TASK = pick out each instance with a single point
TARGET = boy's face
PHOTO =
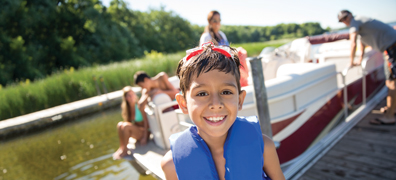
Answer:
(212, 102)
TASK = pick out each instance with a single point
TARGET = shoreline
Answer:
(35, 120)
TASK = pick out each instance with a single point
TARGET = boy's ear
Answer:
(182, 103)
(242, 96)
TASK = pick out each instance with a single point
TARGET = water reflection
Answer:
(81, 149)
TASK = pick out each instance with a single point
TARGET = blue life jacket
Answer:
(243, 152)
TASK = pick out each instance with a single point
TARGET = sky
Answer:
(270, 12)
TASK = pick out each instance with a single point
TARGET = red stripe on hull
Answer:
(301, 139)
(373, 80)
(278, 126)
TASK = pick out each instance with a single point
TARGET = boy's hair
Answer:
(139, 76)
(206, 61)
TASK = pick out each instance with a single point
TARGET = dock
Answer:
(365, 152)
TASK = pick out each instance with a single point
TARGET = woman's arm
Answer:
(205, 37)
(271, 162)
(141, 105)
(168, 166)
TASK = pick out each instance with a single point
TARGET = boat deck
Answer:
(365, 152)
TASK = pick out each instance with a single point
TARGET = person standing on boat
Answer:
(220, 145)
(213, 34)
(380, 37)
(133, 124)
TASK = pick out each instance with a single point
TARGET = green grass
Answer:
(71, 85)
(254, 49)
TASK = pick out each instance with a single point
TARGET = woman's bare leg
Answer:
(126, 130)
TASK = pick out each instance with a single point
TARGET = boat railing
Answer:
(344, 74)
(307, 159)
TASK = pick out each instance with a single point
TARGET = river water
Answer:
(80, 149)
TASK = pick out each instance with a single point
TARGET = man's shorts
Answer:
(390, 70)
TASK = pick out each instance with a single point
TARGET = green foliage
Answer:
(244, 34)
(40, 37)
(70, 85)
(254, 49)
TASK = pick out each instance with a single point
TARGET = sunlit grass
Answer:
(71, 85)
(254, 49)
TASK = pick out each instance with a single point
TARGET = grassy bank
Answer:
(254, 49)
(71, 85)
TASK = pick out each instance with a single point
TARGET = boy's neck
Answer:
(216, 145)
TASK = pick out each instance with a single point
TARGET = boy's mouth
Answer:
(215, 120)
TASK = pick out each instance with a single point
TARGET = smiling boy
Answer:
(220, 145)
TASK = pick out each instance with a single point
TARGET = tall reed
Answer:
(71, 85)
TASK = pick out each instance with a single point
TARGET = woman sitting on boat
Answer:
(212, 31)
(133, 124)
(213, 34)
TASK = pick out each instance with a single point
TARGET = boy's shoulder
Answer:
(250, 119)
(253, 120)
(182, 135)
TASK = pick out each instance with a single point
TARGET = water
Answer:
(81, 149)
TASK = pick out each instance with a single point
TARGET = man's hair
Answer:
(139, 76)
(206, 61)
(343, 14)
(346, 11)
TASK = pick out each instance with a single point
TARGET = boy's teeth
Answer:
(215, 119)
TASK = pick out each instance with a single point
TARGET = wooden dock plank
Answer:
(371, 150)
(371, 140)
(340, 172)
(362, 158)
(328, 170)
(365, 152)
(378, 172)
(357, 131)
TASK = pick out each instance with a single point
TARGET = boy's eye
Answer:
(202, 94)
(226, 92)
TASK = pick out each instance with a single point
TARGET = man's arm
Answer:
(362, 47)
(170, 91)
(352, 37)
(271, 162)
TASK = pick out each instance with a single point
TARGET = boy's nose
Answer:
(216, 103)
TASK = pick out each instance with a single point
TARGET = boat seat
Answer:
(163, 122)
(296, 86)
(174, 80)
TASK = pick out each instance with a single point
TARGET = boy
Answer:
(221, 145)
(150, 88)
